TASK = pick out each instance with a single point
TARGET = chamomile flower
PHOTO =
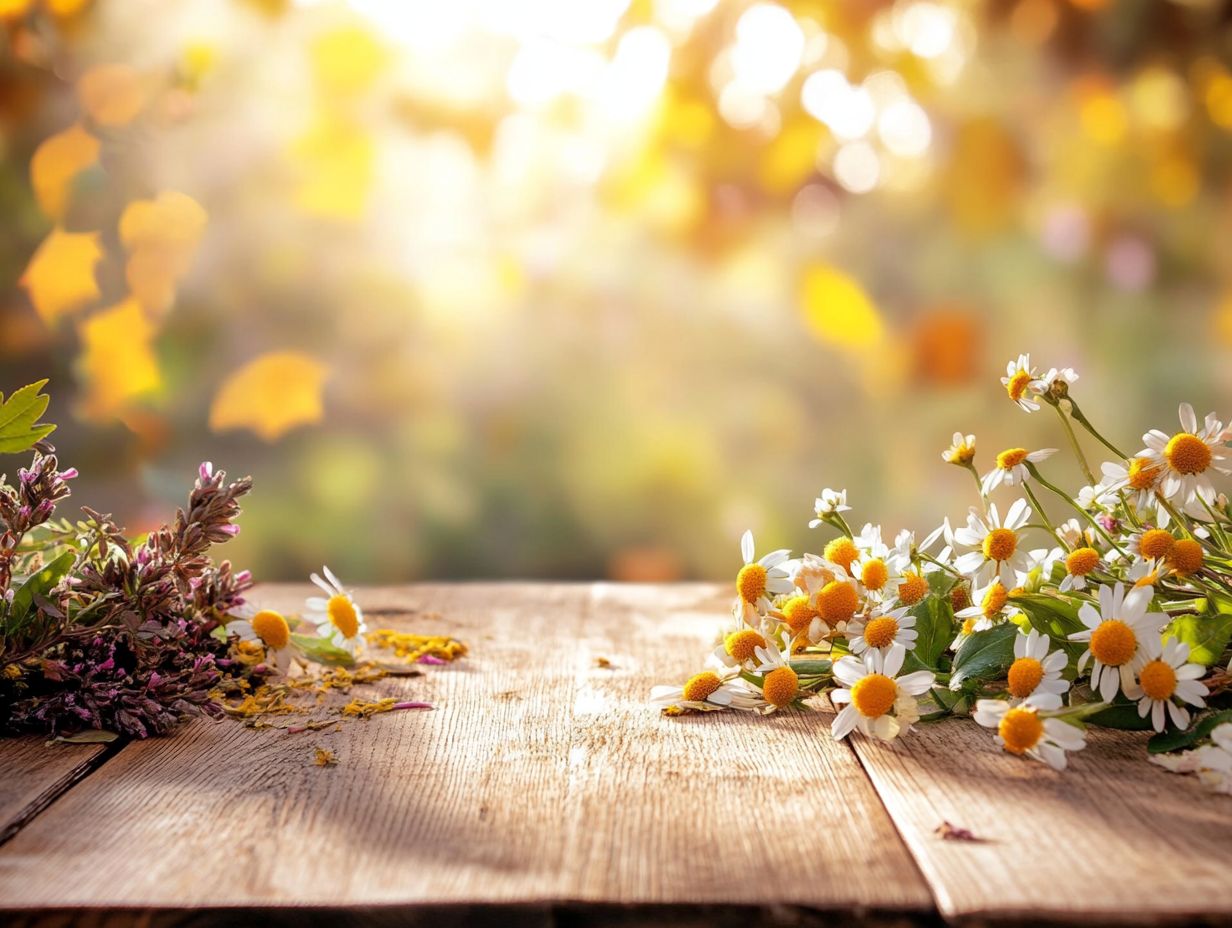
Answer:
(738, 642)
(943, 532)
(1188, 457)
(996, 543)
(1056, 382)
(874, 698)
(1041, 560)
(1075, 534)
(1036, 672)
(895, 628)
(1022, 730)
(1011, 467)
(1152, 544)
(990, 607)
(757, 578)
(829, 503)
(1079, 564)
(706, 692)
(337, 615)
(1139, 477)
(876, 573)
(1121, 636)
(270, 630)
(1096, 496)
(1164, 680)
(961, 450)
(780, 685)
(1018, 380)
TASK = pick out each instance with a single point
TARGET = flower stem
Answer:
(1082, 512)
(1082, 420)
(1073, 441)
(1039, 508)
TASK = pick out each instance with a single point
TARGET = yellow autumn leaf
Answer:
(117, 362)
(112, 94)
(271, 395)
(60, 275)
(171, 217)
(347, 60)
(334, 165)
(56, 164)
(837, 310)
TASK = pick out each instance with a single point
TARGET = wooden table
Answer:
(544, 790)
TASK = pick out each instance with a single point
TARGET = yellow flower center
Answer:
(742, 644)
(1187, 454)
(1158, 680)
(874, 573)
(912, 589)
(1020, 729)
(1018, 385)
(1186, 556)
(751, 582)
(962, 453)
(1081, 561)
(798, 612)
(1156, 542)
(837, 602)
(1113, 643)
(779, 686)
(272, 629)
(880, 632)
(1143, 472)
(960, 597)
(342, 615)
(701, 686)
(841, 551)
(1000, 544)
(994, 600)
(968, 626)
(874, 695)
(1024, 676)
(1011, 458)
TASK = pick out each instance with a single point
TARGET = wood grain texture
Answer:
(542, 777)
(33, 772)
(1112, 839)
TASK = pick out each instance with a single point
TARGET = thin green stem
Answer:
(1082, 512)
(842, 524)
(1039, 508)
(1077, 413)
(1073, 441)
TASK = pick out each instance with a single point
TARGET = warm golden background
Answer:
(583, 288)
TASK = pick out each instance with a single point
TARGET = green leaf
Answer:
(19, 415)
(1056, 618)
(1124, 717)
(984, 655)
(1206, 635)
(812, 668)
(322, 651)
(934, 627)
(41, 584)
(91, 736)
(1167, 741)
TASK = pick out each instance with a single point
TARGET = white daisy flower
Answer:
(1017, 381)
(707, 692)
(1139, 478)
(989, 607)
(1043, 560)
(1188, 457)
(875, 699)
(1165, 679)
(1121, 636)
(943, 532)
(757, 578)
(996, 544)
(1079, 564)
(1022, 730)
(895, 628)
(337, 615)
(829, 503)
(961, 450)
(1096, 496)
(1036, 672)
(1011, 467)
(267, 628)
(1211, 762)
(780, 684)
(1063, 378)
(1076, 534)
(876, 573)
(736, 644)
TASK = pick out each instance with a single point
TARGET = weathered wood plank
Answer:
(1112, 839)
(34, 772)
(542, 777)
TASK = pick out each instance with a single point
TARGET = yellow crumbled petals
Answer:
(742, 645)
(701, 686)
(1000, 544)
(1021, 730)
(324, 757)
(841, 551)
(874, 695)
(912, 589)
(994, 600)
(1187, 454)
(779, 686)
(880, 632)
(12, 672)
(874, 573)
(1011, 458)
(1158, 680)
(1143, 472)
(363, 709)
(1017, 387)
(1024, 676)
(1156, 543)
(1081, 561)
(1186, 557)
(798, 612)
(751, 582)
(413, 647)
(837, 601)
(1113, 643)
(672, 711)
(271, 628)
